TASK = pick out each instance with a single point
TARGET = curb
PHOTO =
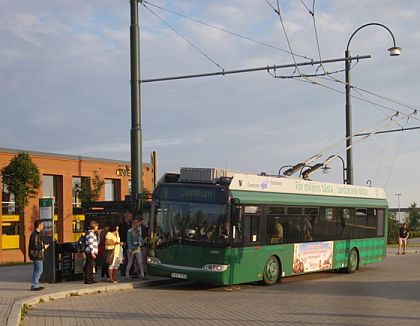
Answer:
(15, 315)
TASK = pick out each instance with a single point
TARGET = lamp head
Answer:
(325, 169)
(394, 51)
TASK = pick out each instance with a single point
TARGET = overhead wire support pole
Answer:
(135, 134)
(267, 68)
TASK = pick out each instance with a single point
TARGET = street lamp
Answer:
(393, 51)
(399, 209)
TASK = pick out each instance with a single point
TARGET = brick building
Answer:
(60, 175)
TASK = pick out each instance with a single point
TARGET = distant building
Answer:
(59, 175)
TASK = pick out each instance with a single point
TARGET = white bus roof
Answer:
(252, 182)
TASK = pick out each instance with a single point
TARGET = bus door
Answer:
(246, 241)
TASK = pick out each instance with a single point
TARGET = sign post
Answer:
(46, 213)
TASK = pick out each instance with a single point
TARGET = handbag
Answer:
(109, 256)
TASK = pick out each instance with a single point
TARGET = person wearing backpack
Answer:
(91, 251)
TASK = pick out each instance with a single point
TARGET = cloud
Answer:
(65, 82)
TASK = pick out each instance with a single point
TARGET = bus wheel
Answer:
(271, 271)
(353, 261)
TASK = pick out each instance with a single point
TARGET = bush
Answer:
(414, 234)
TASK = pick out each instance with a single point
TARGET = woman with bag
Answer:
(113, 252)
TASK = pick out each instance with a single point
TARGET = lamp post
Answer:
(326, 168)
(399, 209)
(393, 51)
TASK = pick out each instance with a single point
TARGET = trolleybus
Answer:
(225, 228)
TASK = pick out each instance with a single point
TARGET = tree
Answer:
(22, 179)
(393, 227)
(413, 216)
(89, 191)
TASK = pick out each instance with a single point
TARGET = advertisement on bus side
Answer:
(312, 256)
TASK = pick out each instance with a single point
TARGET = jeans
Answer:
(88, 268)
(38, 269)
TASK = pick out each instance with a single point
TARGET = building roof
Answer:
(64, 156)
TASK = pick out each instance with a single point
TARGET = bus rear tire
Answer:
(272, 270)
(352, 261)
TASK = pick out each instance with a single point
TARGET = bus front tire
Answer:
(271, 274)
(352, 261)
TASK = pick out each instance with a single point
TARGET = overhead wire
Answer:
(329, 75)
(394, 160)
(381, 157)
(386, 122)
(181, 36)
(341, 140)
(225, 30)
(278, 12)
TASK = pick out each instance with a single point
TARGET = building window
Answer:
(77, 183)
(50, 188)
(8, 206)
(112, 189)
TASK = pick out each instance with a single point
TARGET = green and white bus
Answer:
(226, 228)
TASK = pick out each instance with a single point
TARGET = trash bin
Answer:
(69, 265)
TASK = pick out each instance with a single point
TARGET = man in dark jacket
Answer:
(36, 254)
(123, 227)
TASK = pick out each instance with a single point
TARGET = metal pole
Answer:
(240, 71)
(394, 51)
(349, 140)
(136, 141)
(399, 210)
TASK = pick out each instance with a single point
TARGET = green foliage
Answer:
(393, 227)
(414, 234)
(22, 179)
(89, 191)
(413, 217)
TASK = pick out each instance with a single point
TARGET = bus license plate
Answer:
(179, 275)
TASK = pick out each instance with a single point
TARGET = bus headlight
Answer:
(215, 267)
(153, 261)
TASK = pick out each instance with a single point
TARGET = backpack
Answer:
(81, 244)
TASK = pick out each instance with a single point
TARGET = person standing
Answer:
(91, 251)
(124, 226)
(101, 251)
(143, 232)
(134, 250)
(36, 254)
(113, 242)
(402, 241)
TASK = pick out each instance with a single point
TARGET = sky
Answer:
(65, 84)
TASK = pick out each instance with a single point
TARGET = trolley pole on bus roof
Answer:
(136, 133)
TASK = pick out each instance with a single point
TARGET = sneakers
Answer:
(38, 288)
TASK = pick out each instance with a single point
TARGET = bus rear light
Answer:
(215, 268)
(153, 261)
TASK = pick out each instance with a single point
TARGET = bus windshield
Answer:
(181, 222)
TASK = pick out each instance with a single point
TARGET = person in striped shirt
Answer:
(91, 251)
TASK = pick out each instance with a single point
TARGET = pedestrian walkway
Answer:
(15, 283)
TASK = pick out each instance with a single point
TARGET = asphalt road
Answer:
(387, 293)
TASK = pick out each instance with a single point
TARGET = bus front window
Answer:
(177, 222)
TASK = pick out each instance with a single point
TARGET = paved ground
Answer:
(15, 282)
(387, 293)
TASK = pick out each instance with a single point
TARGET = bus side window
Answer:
(294, 232)
(251, 228)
